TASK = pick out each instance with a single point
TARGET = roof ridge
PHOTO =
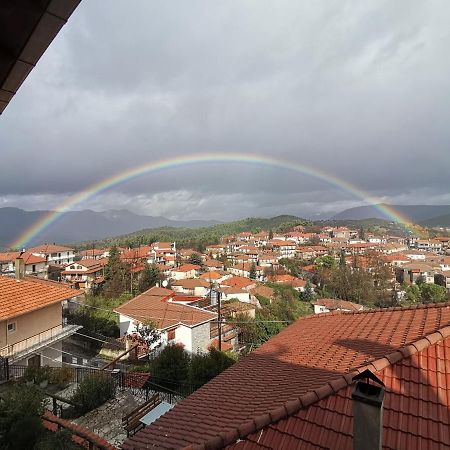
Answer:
(375, 310)
(330, 387)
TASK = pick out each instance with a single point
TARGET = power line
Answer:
(177, 320)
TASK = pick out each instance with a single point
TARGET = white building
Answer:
(55, 254)
(177, 323)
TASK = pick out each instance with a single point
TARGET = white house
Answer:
(185, 271)
(182, 324)
(191, 286)
(55, 254)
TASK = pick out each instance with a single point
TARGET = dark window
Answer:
(171, 335)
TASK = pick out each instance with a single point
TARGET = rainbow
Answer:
(195, 159)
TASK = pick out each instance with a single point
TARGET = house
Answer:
(213, 264)
(229, 293)
(324, 305)
(185, 271)
(34, 264)
(430, 245)
(55, 254)
(310, 252)
(396, 259)
(31, 321)
(7, 261)
(239, 282)
(94, 253)
(286, 249)
(268, 260)
(417, 271)
(177, 323)
(297, 283)
(191, 286)
(443, 278)
(215, 250)
(295, 391)
(214, 276)
(84, 273)
(245, 269)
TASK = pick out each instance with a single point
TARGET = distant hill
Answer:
(440, 221)
(199, 237)
(83, 225)
(417, 213)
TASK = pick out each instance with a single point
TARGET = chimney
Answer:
(20, 268)
(367, 412)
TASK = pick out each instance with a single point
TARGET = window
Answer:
(72, 267)
(171, 335)
(11, 327)
(33, 268)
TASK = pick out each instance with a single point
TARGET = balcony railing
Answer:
(38, 340)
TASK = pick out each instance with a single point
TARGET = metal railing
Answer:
(13, 349)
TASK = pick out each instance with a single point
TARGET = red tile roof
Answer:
(415, 413)
(19, 297)
(307, 362)
(186, 268)
(49, 248)
(153, 305)
(334, 304)
(238, 282)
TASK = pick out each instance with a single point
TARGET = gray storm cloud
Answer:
(358, 89)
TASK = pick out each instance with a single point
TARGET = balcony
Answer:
(34, 343)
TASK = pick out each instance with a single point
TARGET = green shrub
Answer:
(61, 376)
(20, 417)
(93, 391)
(61, 440)
(171, 367)
(205, 367)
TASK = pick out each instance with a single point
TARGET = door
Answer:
(34, 361)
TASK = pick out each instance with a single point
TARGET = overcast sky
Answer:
(359, 89)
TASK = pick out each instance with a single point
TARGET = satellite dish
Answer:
(165, 283)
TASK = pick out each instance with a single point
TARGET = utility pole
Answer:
(219, 321)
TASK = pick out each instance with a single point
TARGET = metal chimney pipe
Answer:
(367, 412)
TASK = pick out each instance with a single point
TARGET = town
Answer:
(156, 310)
(224, 225)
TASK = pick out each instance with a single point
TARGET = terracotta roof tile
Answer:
(19, 297)
(416, 411)
(302, 363)
(153, 305)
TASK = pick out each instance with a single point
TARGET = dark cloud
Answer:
(360, 90)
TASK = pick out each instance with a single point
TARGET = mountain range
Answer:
(83, 225)
(428, 215)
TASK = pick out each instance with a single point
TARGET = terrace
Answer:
(32, 344)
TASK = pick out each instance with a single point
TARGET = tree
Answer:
(432, 293)
(149, 334)
(308, 294)
(270, 234)
(170, 368)
(116, 275)
(326, 262)
(204, 367)
(412, 293)
(148, 278)
(196, 258)
(362, 234)
(253, 273)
